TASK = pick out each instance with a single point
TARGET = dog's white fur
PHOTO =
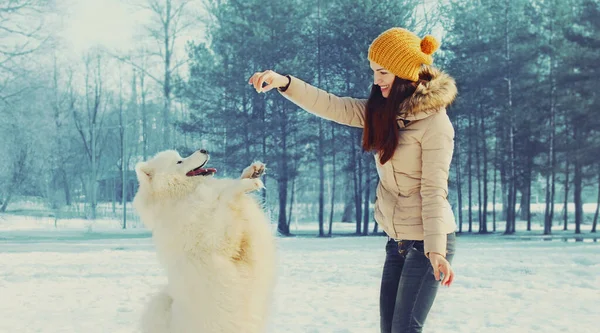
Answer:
(215, 243)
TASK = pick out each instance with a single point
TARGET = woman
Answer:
(405, 124)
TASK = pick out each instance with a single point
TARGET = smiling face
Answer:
(169, 169)
(382, 78)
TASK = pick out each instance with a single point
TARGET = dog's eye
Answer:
(179, 162)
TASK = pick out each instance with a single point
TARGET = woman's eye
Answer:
(179, 162)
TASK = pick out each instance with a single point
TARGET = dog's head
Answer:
(167, 171)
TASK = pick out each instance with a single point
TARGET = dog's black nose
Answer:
(204, 151)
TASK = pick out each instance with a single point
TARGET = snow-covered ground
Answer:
(79, 278)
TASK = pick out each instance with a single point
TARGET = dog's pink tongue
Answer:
(202, 171)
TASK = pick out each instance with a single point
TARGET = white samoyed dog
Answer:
(214, 241)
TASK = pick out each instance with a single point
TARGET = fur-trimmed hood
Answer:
(438, 92)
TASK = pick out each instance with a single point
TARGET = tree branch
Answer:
(128, 61)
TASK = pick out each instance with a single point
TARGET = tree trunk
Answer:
(282, 225)
(66, 188)
(94, 177)
(168, 52)
(478, 173)
(144, 117)
(6, 201)
(321, 146)
(551, 162)
(470, 171)
(282, 182)
(528, 200)
(89, 139)
(348, 197)
(512, 191)
(459, 186)
(321, 162)
(526, 197)
(459, 177)
(333, 176)
(357, 189)
(503, 185)
(595, 223)
(566, 199)
(59, 135)
(578, 182)
(291, 205)
(18, 176)
(495, 186)
(113, 194)
(367, 199)
(549, 204)
(375, 227)
(483, 222)
(333, 180)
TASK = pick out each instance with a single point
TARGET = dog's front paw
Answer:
(255, 170)
(252, 184)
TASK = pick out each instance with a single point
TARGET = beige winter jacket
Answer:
(411, 201)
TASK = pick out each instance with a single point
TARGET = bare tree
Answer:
(145, 126)
(16, 169)
(170, 20)
(24, 137)
(21, 34)
(59, 155)
(89, 121)
(140, 64)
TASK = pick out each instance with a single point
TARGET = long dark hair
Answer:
(380, 133)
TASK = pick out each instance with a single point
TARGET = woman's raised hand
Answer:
(271, 78)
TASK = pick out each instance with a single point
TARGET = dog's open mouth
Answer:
(201, 171)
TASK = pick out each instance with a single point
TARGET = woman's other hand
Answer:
(440, 264)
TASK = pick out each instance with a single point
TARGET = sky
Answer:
(114, 24)
(91, 23)
(120, 28)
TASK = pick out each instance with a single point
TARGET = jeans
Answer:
(408, 286)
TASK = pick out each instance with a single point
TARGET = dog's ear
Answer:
(144, 172)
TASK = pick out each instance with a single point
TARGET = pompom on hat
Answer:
(402, 52)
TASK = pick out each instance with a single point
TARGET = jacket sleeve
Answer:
(343, 110)
(437, 148)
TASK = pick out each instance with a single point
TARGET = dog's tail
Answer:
(157, 315)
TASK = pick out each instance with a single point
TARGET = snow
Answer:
(84, 278)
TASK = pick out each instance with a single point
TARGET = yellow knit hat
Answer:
(402, 52)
